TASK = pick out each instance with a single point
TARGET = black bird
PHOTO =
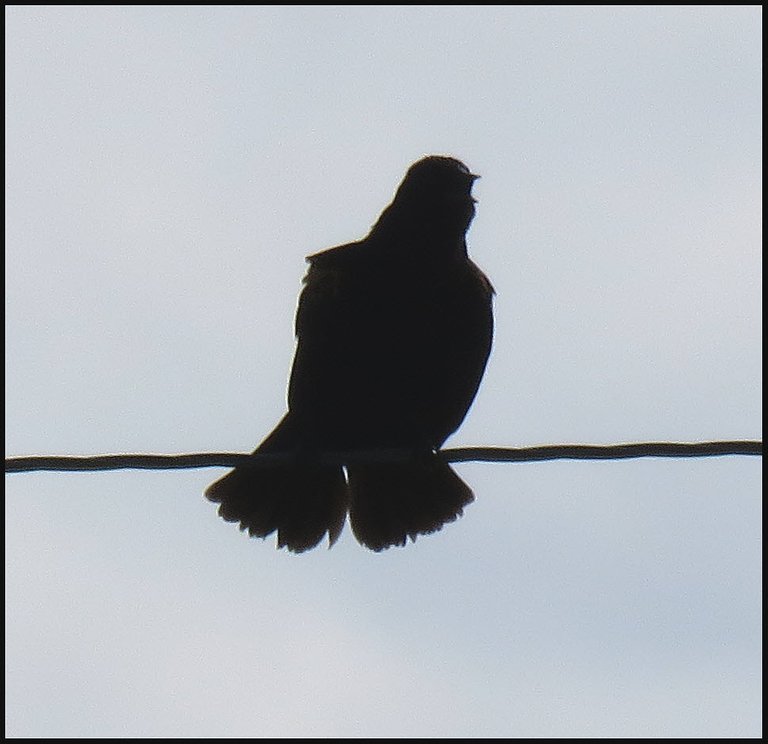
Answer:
(394, 333)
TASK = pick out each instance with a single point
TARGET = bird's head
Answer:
(437, 178)
(434, 199)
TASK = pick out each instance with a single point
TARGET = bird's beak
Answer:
(474, 178)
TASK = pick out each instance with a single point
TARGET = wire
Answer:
(460, 454)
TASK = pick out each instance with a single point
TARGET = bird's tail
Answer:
(304, 500)
(390, 502)
(301, 500)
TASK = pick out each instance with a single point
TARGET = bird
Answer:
(393, 336)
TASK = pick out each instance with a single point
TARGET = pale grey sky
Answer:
(167, 170)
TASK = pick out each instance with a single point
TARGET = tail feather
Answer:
(390, 502)
(301, 503)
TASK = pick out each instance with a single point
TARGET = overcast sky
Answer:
(169, 168)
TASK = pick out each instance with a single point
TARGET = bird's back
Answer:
(390, 351)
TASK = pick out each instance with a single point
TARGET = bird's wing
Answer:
(326, 325)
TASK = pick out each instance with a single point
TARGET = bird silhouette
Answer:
(394, 332)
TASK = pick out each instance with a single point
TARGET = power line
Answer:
(459, 454)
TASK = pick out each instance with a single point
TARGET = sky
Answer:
(168, 168)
